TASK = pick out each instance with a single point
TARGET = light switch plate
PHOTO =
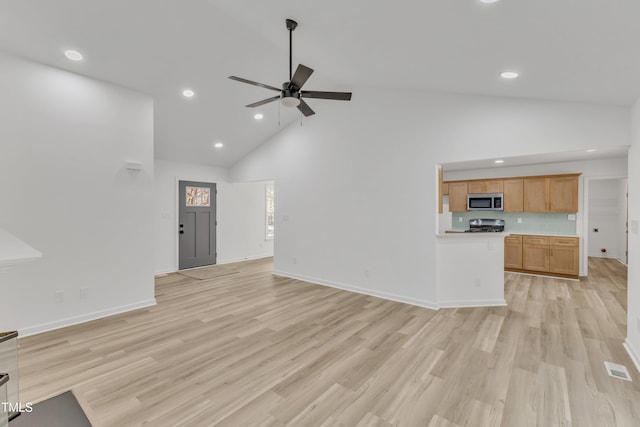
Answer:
(634, 226)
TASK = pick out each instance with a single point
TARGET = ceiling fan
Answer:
(291, 94)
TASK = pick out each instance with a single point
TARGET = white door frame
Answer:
(585, 223)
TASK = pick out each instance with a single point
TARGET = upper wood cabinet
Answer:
(458, 196)
(536, 194)
(551, 194)
(513, 195)
(486, 186)
(563, 194)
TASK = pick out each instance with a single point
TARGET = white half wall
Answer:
(66, 192)
(356, 183)
(633, 275)
(240, 211)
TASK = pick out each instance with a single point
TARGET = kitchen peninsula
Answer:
(470, 269)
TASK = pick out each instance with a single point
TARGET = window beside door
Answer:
(270, 212)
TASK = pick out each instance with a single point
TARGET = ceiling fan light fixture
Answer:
(290, 101)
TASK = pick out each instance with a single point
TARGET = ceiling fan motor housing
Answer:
(289, 97)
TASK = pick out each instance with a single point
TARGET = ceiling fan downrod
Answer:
(291, 25)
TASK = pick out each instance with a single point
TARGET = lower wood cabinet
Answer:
(513, 251)
(542, 254)
(564, 255)
(535, 253)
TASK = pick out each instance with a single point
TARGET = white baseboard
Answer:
(164, 271)
(621, 261)
(246, 258)
(70, 321)
(472, 303)
(359, 290)
(633, 354)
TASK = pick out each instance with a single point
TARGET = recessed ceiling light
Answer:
(488, 1)
(498, 161)
(188, 93)
(73, 55)
(509, 75)
(591, 150)
(218, 145)
(258, 116)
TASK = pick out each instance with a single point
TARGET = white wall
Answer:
(633, 277)
(604, 214)
(240, 214)
(356, 183)
(64, 190)
(613, 167)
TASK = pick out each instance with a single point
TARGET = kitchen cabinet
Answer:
(513, 195)
(564, 255)
(536, 194)
(563, 194)
(445, 188)
(550, 255)
(551, 194)
(458, 196)
(535, 253)
(513, 251)
(485, 186)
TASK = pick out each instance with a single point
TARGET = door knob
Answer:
(181, 231)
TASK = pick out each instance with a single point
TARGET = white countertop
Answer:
(456, 233)
(506, 233)
(14, 251)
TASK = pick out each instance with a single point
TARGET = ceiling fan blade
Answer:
(305, 109)
(264, 101)
(240, 79)
(339, 96)
(301, 75)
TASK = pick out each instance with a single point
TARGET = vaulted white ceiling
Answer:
(571, 50)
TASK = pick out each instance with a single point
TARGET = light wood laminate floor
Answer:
(251, 349)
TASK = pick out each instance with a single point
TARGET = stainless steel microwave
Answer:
(485, 202)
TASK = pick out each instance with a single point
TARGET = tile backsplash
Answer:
(552, 223)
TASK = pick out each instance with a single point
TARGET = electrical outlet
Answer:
(459, 219)
(294, 260)
(519, 220)
(367, 274)
(478, 282)
(84, 292)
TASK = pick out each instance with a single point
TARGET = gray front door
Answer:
(197, 224)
